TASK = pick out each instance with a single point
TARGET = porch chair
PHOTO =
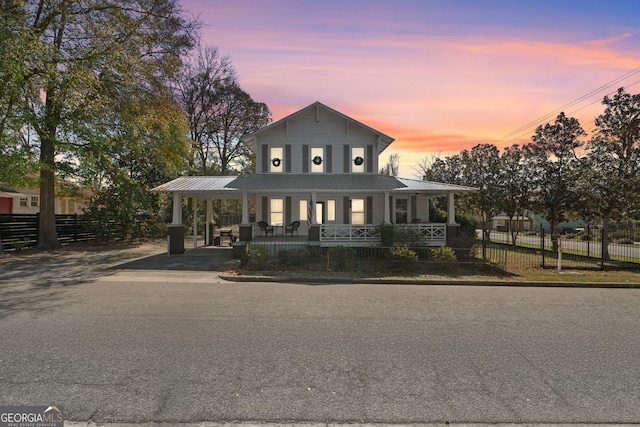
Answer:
(266, 228)
(291, 228)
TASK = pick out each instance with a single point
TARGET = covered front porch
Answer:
(340, 210)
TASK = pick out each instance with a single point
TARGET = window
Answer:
(23, 202)
(67, 206)
(276, 160)
(317, 160)
(277, 211)
(331, 210)
(34, 201)
(401, 211)
(357, 159)
(303, 210)
(357, 211)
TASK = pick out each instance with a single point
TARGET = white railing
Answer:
(425, 233)
(349, 233)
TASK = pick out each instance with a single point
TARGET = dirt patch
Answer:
(87, 255)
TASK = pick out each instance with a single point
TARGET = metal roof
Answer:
(197, 184)
(309, 182)
(434, 187)
(303, 183)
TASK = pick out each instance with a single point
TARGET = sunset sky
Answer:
(438, 76)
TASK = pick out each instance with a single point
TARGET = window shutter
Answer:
(328, 160)
(265, 208)
(369, 209)
(369, 158)
(305, 159)
(345, 209)
(265, 158)
(287, 210)
(347, 160)
(287, 158)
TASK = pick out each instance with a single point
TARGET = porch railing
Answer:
(349, 233)
(425, 233)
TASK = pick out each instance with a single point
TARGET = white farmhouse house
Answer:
(317, 169)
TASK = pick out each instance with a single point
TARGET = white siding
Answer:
(303, 129)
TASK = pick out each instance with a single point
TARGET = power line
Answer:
(513, 135)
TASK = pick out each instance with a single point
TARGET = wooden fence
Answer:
(19, 231)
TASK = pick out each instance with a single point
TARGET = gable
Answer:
(318, 124)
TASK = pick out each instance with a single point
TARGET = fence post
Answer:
(542, 243)
(75, 227)
(603, 239)
(559, 254)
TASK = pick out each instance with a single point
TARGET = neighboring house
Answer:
(519, 223)
(319, 167)
(28, 202)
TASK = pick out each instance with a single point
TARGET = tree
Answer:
(612, 166)
(196, 91)
(235, 115)
(87, 53)
(219, 112)
(555, 165)
(392, 168)
(481, 169)
(515, 185)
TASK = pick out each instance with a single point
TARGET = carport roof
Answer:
(304, 183)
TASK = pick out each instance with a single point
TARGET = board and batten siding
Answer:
(303, 132)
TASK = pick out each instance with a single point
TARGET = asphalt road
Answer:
(188, 348)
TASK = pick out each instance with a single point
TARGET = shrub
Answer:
(340, 258)
(294, 258)
(404, 257)
(443, 254)
(258, 256)
(464, 246)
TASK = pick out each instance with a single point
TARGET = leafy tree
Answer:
(612, 167)
(554, 161)
(481, 169)
(87, 55)
(515, 186)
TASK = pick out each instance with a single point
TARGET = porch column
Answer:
(208, 226)
(245, 208)
(246, 229)
(314, 230)
(387, 208)
(177, 208)
(451, 214)
(452, 226)
(176, 228)
(195, 223)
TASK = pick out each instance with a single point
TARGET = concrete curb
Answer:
(436, 282)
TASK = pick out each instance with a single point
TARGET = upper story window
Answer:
(357, 159)
(317, 160)
(276, 162)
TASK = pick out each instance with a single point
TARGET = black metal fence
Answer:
(578, 249)
(290, 256)
(18, 231)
